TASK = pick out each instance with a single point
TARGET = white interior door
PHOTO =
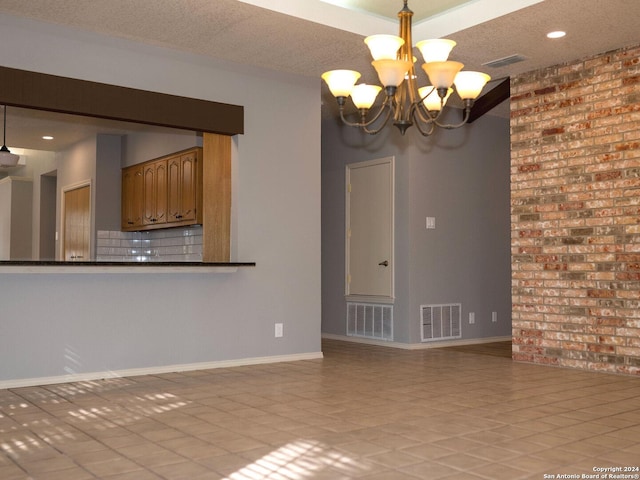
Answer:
(369, 242)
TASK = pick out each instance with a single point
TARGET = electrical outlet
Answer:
(279, 330)
(472, 318)
(494, 317)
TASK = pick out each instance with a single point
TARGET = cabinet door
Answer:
(188, 195)
(182, 189)
(174, 189)
(132, 189)
(155, 193)
(161, 192)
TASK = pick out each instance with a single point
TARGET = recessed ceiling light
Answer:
(47, 137)
(556, 34)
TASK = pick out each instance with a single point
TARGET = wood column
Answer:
(216, 197)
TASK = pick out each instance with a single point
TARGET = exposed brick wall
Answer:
(575, 213)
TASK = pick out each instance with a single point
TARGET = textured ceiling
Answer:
(302, 41)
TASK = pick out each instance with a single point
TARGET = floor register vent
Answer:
(441, 322)
(369, 320)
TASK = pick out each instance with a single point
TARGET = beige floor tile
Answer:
(12, 472)
(390, 475)
(560, 457)
(620, 457)
(74, 473)
(492, 453)
(137, 475)
(462, 461)
(428, 451)
(192, 448)
(431, 470)
(52, 464)
(394, 459)
(363, 448)
(112, 467)
(499, 471)
(181, 471)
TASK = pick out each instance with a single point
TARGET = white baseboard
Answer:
(415, 346)
(133, 372)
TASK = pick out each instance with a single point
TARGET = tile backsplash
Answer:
(169, 245)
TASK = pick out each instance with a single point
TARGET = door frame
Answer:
(391, 161)
(63, 190)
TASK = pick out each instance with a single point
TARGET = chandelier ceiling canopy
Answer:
(409, 105)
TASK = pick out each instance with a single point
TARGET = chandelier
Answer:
(408, 105)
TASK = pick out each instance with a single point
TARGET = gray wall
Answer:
(461, 177)
(142, 146)
(55, 324)
(108, 183)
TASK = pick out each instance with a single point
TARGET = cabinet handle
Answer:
(178, 216)
(130, 223)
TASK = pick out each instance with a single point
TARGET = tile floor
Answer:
(362, 412)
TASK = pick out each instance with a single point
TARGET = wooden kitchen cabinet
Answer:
(131, 217)
(184, 192)
(163, 193)
(154, 196)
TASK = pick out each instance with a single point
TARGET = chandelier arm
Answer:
(384, 124)
(447, 126)
(422, 113)
(419, 121)
(347, 122)
(365, 123)
(385, 106)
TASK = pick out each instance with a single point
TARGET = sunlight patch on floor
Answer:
(298, 460)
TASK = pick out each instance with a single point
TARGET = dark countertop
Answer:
(50, 266)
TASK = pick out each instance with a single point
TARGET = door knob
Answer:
(384, 264)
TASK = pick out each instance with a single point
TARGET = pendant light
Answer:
(7, 159)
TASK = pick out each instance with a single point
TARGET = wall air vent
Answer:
(504, 61)
(370, 321)
(441, 322)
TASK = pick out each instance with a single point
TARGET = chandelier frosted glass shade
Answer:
(435, 50)
(384, 46)
(341, 82)
(442, 74)
(470, 84)
(391, 72)
(364, 95)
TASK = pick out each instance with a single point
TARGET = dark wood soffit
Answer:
(21, 88)
(489, 100)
